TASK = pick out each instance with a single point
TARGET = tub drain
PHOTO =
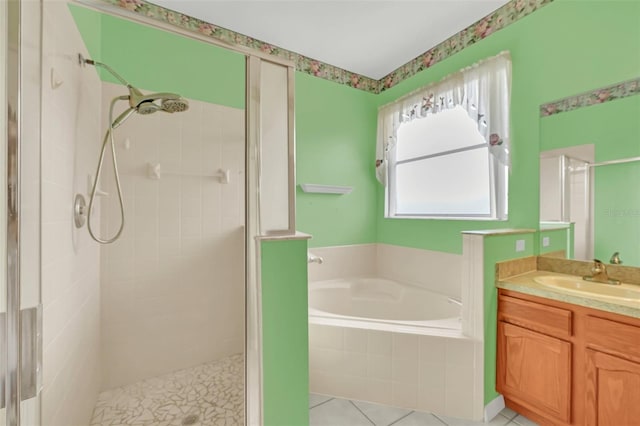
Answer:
(191, 419)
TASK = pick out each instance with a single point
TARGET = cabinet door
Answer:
(613, 390)
(534, 370)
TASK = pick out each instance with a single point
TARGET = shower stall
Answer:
(566, 191)
(132, 266)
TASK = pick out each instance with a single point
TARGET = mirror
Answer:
(590, 178)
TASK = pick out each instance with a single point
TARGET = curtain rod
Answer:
(621, 161)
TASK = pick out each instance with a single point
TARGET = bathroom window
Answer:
(443, 151)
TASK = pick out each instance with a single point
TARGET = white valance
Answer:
(483, 90)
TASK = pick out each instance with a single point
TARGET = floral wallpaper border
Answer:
(502, 17)
(592, 97)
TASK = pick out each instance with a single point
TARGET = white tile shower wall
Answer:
(173, 285)
(70, 260)
(343, 262)
(418, 372)
(438, 271)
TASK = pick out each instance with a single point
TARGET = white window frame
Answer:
(468, 88)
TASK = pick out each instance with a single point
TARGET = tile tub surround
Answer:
(396, 263)
(173, 284)
(358, 260)
(209, 394)
(329, 411)
(404, 370)
(70, 281)
(389, 367)
(435, 270)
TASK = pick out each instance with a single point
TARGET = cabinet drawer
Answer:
(613, 336)
(535, 316)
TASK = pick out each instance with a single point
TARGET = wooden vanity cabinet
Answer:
(563, 364)
(535, 370)
(612, 390)
(612, 373)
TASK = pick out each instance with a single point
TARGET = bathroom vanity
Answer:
(567, 356)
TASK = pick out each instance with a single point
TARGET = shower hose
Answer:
(108, 139)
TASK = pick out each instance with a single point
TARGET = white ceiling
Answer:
(371, 38)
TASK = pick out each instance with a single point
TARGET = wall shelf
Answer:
(325, 189)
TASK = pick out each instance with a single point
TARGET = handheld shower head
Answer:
(138, 101)
(148, 104)
(174, 105)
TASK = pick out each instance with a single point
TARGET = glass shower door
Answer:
(3, 219)
(20, 321)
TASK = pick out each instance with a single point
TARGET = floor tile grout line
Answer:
(510, 418)
(362, 412)
(436, 416)
(403, 417)
(323, 402)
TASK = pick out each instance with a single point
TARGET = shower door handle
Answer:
(30, 354)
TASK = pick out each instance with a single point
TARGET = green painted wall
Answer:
(89, 24)
(558, 240)
(617, 212)
(614, 129)
(285, 333)
(497, 248)
(335, 145)
(565, 48)
(155, 60)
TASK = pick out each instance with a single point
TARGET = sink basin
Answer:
(577, 285)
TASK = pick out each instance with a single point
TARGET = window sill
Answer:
(467, 218)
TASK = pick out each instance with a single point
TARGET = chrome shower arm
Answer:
(106, 67)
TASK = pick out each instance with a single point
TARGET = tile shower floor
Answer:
(329, 411)
(210, 394)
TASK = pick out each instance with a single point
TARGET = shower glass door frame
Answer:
(20, 300)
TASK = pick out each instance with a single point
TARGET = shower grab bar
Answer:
(454, 301)
(155, 172)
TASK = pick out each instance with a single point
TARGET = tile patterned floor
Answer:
(207, 395)
(329, 411)
(213, 395)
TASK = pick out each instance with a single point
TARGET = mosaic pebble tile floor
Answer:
(210, 394)
(329, 411)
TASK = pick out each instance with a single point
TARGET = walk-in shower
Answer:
(140, 103)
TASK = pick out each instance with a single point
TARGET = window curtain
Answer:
(483, 90)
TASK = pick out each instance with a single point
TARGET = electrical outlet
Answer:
(546, 241)
(519, 245)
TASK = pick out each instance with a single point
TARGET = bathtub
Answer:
(381, 304)
(391, 343)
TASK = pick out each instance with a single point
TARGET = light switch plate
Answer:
(546, 241)
(519, 245)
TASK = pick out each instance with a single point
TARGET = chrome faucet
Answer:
(615, 259)
(312, 258)
(599, 274)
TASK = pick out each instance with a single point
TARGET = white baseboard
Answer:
(493, 408)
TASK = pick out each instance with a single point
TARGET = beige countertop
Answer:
(525, 284)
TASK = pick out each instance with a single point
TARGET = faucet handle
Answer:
(615, 259)
(598, 267)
